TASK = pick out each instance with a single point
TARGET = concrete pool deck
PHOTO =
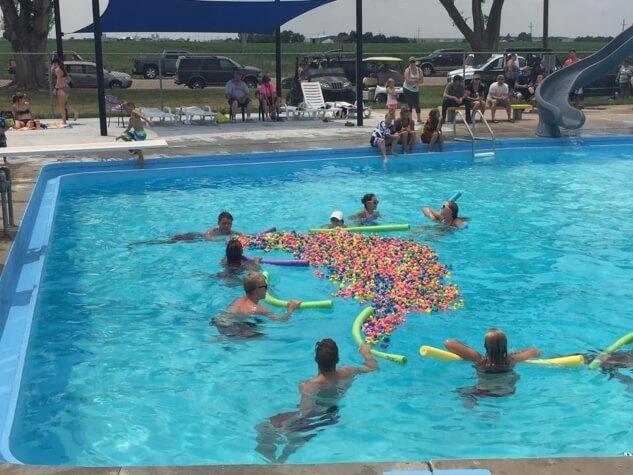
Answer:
(191, 140)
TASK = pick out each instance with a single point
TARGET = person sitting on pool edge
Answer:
(318, 406)
(134, 131)
(234, 321)
(447, 215)
(336, 220)
(369, 215)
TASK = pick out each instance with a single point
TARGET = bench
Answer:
(519, 109)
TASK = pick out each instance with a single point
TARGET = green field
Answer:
(119, 54)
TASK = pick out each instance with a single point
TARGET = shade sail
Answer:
(201, 16)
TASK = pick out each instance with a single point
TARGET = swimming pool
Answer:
(122, 367)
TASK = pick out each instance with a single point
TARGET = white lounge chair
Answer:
(314, 102)
(154, 113)
(189, 112)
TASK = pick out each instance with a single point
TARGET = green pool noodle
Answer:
(443, 355)
(380, 228)
(356, 334)
(615, 346)
(284, 303)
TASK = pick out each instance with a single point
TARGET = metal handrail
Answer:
(470, 131)
(492, 134)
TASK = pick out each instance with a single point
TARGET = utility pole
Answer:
(623, 24)
(531, 27)
(419, 35)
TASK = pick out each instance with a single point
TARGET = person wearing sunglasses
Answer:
(447, 215)
(370, 214)
(237, 320)
(318, 408)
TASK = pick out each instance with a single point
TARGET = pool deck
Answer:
(192, 140)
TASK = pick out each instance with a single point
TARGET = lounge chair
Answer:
(314, 102)
(115, 105)
(189, 112)
(348, 110)
(154, 113)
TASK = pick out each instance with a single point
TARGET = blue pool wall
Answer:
(20, 280)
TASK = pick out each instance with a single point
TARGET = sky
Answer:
(427, 18)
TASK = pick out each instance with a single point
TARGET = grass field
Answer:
(119, 54)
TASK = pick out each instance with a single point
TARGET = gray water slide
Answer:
(552, 96)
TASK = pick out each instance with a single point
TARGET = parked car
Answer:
(488, 71)
(198, 72)
(440, 60)
(84, 74)
(149, 67)
(334, 85)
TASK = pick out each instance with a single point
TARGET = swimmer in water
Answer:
(224, 228)
(447, 215)
(237, 320)
(495, 370)
(336, 221)
(370, 214)
(318, 406)
(612, 363)
(235, 263)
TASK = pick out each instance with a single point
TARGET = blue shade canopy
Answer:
(201, 16)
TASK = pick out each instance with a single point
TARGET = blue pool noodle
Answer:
(456, 196)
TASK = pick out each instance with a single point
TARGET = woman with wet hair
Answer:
(369, 214)
(447, 215)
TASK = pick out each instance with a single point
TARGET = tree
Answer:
(484, 35)
(26, 27)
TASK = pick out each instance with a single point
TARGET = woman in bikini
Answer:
(370, 214)
(22, 113)
(63, 90)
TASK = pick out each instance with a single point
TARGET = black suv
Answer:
(440, 60)
(200, 71)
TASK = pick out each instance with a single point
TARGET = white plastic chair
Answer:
(189, 112)
(154, 113)
(314, 102)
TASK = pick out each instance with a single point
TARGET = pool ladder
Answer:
(471, 133)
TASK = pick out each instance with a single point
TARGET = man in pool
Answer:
(612, 363)
(224, 228)
(317, 408)
(237, 320)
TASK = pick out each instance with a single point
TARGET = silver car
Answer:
(84, 74)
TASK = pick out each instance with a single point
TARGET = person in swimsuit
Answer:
(62, 90)
(495, 370)
(405, 128)
(22, 113)
(224, 228)
(235, 263)
(238, 320)
(135, 131)
(369, 215)
(432, 131)
(318, 406)
(612, 363)
(447, 215)
(336, 221)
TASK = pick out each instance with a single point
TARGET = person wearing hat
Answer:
(413, 79)
(268, 99)
(336, 220)
(475, 94)
(523, 88)
(454, 96)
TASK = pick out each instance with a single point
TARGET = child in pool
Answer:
(369, 215)
(135, 131)
(236, 321)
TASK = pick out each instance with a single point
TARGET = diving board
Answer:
(55, 149)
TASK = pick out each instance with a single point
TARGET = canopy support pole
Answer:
(545, 23)
(58, 31)
(96, 20)
(278, 61)
(359, 62)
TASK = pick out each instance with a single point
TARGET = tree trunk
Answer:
(26, 27)
(484, 35)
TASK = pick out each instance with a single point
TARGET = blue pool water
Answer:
(123, 368)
